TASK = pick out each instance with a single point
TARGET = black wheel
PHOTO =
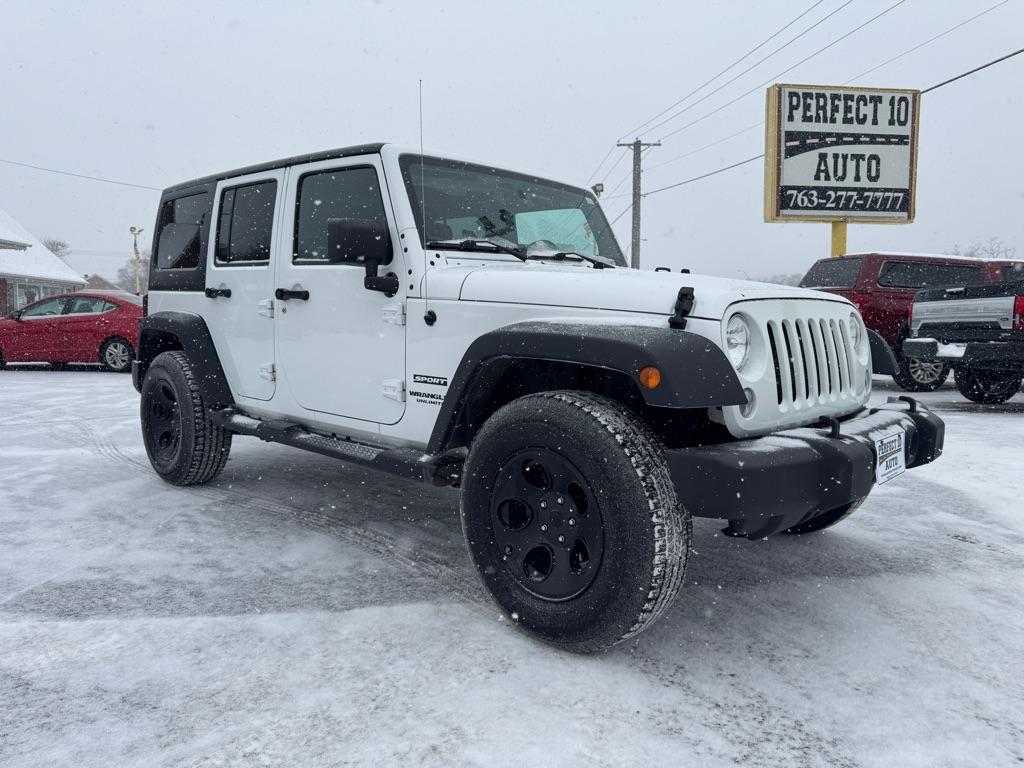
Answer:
(827, 519)
(184, 446)
(116, 355)
(916, 375)
(572, 520)
(985, 386)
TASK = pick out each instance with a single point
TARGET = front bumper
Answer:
(980, 354)
(768, 484)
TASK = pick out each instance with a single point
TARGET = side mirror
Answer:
(16, 315)
(362, 241)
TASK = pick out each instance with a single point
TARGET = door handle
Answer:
(213, 293)
(283, 294)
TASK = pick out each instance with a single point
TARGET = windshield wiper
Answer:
(481, 245)
(599, 262)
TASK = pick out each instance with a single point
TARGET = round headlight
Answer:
(856, 330)
(737, 341)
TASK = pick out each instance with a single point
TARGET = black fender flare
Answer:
(883, 360)
(165, 331)
(695, 372)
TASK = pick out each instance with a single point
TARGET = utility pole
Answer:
(638, 146)
(136, 231)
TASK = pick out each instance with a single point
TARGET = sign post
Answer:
(837, 154)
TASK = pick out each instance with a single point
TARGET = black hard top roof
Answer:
(312, 157)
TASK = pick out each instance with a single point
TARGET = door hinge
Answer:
(393, 389)
(268, 372)
(266, 307)
(394, 313)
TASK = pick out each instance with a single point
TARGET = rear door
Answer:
(342, 347)
(240, 280)
(85, 320)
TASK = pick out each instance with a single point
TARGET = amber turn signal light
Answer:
(650, 377)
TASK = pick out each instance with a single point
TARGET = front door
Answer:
(240, 280)
(341, 346)
(36, 335)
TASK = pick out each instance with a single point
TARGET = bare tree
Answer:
(126, 274)
(788, 279)
(58, 248)
(993, 248)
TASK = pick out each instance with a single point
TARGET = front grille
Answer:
(813, 359)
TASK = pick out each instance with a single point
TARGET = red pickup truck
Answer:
(882, 285)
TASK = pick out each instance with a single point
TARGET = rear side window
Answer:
(832, 273)
(910, 274)
(1013, 273)
(245, 223)
(177, 241)
(88, 305)
(345, 193)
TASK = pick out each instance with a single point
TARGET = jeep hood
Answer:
(621, 290)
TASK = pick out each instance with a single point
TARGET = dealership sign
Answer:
(840, 154)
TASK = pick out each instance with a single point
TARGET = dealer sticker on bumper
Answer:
(891, 460)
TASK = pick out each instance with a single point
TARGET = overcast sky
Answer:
(156, 93)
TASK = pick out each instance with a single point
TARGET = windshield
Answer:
(475, 201)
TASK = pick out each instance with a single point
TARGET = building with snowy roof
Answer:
(28, 270)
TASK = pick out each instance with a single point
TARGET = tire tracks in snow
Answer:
(390, 546)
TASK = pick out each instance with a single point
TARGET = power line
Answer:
(972, 71)
(737, 61)
(788, 69)
(706, 146)
(704, 175)
(599, 165)
(758, 157)
(849, 80)
(729, 82)
(608, 194)
(80, 175)
(926, 42)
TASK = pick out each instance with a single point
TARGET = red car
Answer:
(84, 327)
(882, 285)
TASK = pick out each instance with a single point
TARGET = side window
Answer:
(245, 224)
(907, 274)
(345, 193)
(86, 305)
(1013, 273)
(45, 308)
(177, 241)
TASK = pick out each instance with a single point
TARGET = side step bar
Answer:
(405, 462)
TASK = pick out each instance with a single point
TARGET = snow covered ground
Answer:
(301, 612)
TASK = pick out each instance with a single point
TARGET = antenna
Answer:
(429, 317)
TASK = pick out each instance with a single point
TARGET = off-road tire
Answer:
(827, 519)
(987, 386)
(919, 375)
(123, 362)
(195, 449)
(646, 530)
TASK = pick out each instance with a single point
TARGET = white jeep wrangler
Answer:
(474, 327)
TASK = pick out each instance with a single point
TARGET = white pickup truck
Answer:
(979, 330)
(469, 326)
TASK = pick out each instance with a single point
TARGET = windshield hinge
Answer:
(683, 307)
(394, 313)
(393, 389)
